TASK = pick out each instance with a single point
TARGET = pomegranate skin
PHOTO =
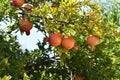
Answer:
(92, 41)
(68, 43)
(22, 24)
(79, 78)
(25, 25)
(55, 39)
(17, 3)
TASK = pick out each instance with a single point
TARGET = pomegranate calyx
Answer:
(46, 39)
(75, 48)
(27, 33)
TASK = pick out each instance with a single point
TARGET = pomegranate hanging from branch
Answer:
(54, 39)
(92, 41)
(25, 25)
(69, 43)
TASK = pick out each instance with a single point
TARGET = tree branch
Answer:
(23, 13)
(43, 62)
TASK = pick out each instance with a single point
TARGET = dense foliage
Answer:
(75, 18)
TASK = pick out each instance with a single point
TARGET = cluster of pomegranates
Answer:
(68, 42)
(92, 41)
(56, 39)
(24, 23)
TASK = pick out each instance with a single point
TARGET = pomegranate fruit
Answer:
(68, 43)
(92, 41)
(17, 3)
(79, 78)
(55, 39)
(25, 25)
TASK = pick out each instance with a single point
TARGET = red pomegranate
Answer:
(18, 3)
(54, 39)
(25, 25)
(68, 42)
(79, 78)
(92, 41)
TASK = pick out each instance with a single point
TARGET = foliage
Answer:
(73, 18)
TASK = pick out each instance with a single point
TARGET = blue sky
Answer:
(29, 42)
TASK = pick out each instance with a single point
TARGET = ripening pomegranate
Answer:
(92, 41)
(18, 3)
(79, 78)
(68, 42)
(25, 25)
(54, 39)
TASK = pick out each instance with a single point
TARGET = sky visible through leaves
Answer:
(26, 42)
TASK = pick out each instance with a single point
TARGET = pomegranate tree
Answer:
(92, 41)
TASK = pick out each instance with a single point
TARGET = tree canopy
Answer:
(65, 53)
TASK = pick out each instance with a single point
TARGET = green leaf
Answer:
(25, 77)
(6, 78)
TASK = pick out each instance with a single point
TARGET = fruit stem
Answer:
(92, 48)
